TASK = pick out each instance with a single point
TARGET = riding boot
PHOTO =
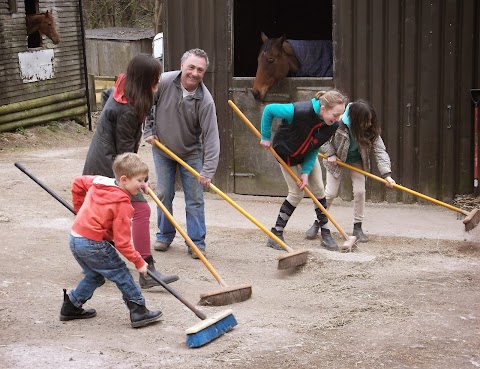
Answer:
(149, 282)
(70, 311)
(286, 211)
(357, 232)
(272, 243)
(311, 233)
(140, 316)
(327, 240)
(322, 219)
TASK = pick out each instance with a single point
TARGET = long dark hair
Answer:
(143, 72)
(363, 123)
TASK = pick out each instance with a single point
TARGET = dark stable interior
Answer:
(297, 20)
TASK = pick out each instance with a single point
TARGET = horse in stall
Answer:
(45, 24)
(279, 58)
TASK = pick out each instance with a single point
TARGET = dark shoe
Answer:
(312, 232)
(327, 240)
(357, 232)
(194, 255)
(70, 311)
(149, 282)
(273, 244)
(140, 316)
(160, 246)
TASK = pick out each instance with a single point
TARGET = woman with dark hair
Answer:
(357, 136)
(119, 129)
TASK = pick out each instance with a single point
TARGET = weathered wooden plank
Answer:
(15, 85)
(40, 92)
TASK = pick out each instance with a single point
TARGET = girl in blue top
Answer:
(357, 137)
(306, 125)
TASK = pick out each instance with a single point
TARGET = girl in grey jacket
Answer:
(357, 137)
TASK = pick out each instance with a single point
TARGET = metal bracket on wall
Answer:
(409, 107)
(449, 125)
(475, 93)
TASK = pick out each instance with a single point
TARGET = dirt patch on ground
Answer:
(413, 304)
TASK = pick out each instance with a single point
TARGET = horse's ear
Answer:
(279, 41)
(46, 13)
(264, 37)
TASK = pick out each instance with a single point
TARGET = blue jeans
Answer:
(165, 169)
(100, 260)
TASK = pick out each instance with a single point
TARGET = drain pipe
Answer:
(85, 70)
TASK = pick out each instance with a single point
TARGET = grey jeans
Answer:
(358, 183)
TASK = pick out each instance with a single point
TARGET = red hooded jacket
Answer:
(104, 212)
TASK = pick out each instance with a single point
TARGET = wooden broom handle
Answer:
(397, 186)
(197, 312)
(186, 237)
(225, 197)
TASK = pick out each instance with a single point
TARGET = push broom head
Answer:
(349, 244)
(472, 220)
(226, 295)
(210, 328)
(292, 259)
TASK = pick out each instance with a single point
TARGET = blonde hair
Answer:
(331, 98)
(129, 165)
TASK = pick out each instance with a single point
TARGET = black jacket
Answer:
(117, 131)
(307, 132)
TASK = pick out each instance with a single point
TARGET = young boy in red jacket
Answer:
(104, 214)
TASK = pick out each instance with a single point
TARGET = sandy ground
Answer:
(410, 298)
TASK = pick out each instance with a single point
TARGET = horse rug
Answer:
(315, 57)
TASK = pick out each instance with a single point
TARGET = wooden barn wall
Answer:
(416, 62)
(204, 24)
(68, 56)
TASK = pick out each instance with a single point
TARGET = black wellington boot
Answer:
(312, 232)
(140, 316)
(357, 232)
(149, 282)
(321, 220)
(272, 243)
(70, 311)
(327, 240)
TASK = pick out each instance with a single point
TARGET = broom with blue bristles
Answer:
(209, 328)
(200, 334)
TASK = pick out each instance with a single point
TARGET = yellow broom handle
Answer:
(289, 170)
(225, 197)
(412, 192)
(186, 237)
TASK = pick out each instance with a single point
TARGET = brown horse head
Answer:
(45, 24)
(275, 61)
